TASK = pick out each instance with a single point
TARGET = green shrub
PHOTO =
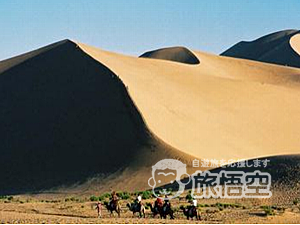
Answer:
(101, 198)
(269, 211)
(9, 198)
(237, 205)
(123, 195)
(189, 197)
(146, 195)
(278, 208)
(126, 195)
(105, 196)
(94, 198)
(136, 193)
(170, 190)
(296, 201)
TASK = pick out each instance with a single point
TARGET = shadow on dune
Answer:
(273, 48)
(284, 170)
(64, 117)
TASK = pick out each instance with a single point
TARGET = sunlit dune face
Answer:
(295, 43)
(166, 176)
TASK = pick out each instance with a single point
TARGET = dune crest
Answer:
(72, 114)
(176, 54)
(223, 108)
(277, 48)
(66, 118)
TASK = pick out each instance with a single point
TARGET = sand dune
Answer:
(176, 54)
(9, 63)
(66, 118)
(72, 114)
(281, 48)
(223, 108)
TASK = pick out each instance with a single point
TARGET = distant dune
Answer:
(76, 117)
(281, 48)
(176, 54)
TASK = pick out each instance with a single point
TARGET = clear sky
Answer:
(135, 26)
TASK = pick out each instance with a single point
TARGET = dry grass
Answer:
(35, 209)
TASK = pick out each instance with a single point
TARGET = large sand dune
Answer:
(281, 47)
(223, 108)
(66, 118)
(71, 112)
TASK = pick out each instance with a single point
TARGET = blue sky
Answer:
(135, 26)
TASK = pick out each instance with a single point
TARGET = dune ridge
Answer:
(223, 108)
(176, 54)
(11, 62)
(281, 48)
(92, 119)
(66, 118)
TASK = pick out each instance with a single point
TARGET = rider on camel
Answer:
(194, 204)
(138, 200)
(114, 199)
(158, 202)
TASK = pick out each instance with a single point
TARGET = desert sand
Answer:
(77, 121)
(75, 117)
(222, 108)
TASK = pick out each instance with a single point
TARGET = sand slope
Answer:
(72, 114)
(11, 62)
(281, 48)
(223, 108)
(66, 118)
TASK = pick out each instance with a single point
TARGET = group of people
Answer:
(159, 202)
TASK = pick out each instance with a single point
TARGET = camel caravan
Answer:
(160, 208)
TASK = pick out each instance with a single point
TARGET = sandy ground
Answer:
(32, 210)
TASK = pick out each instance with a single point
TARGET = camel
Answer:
(113, 206)
(162, 210)
(135, 207)
(190, 212)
